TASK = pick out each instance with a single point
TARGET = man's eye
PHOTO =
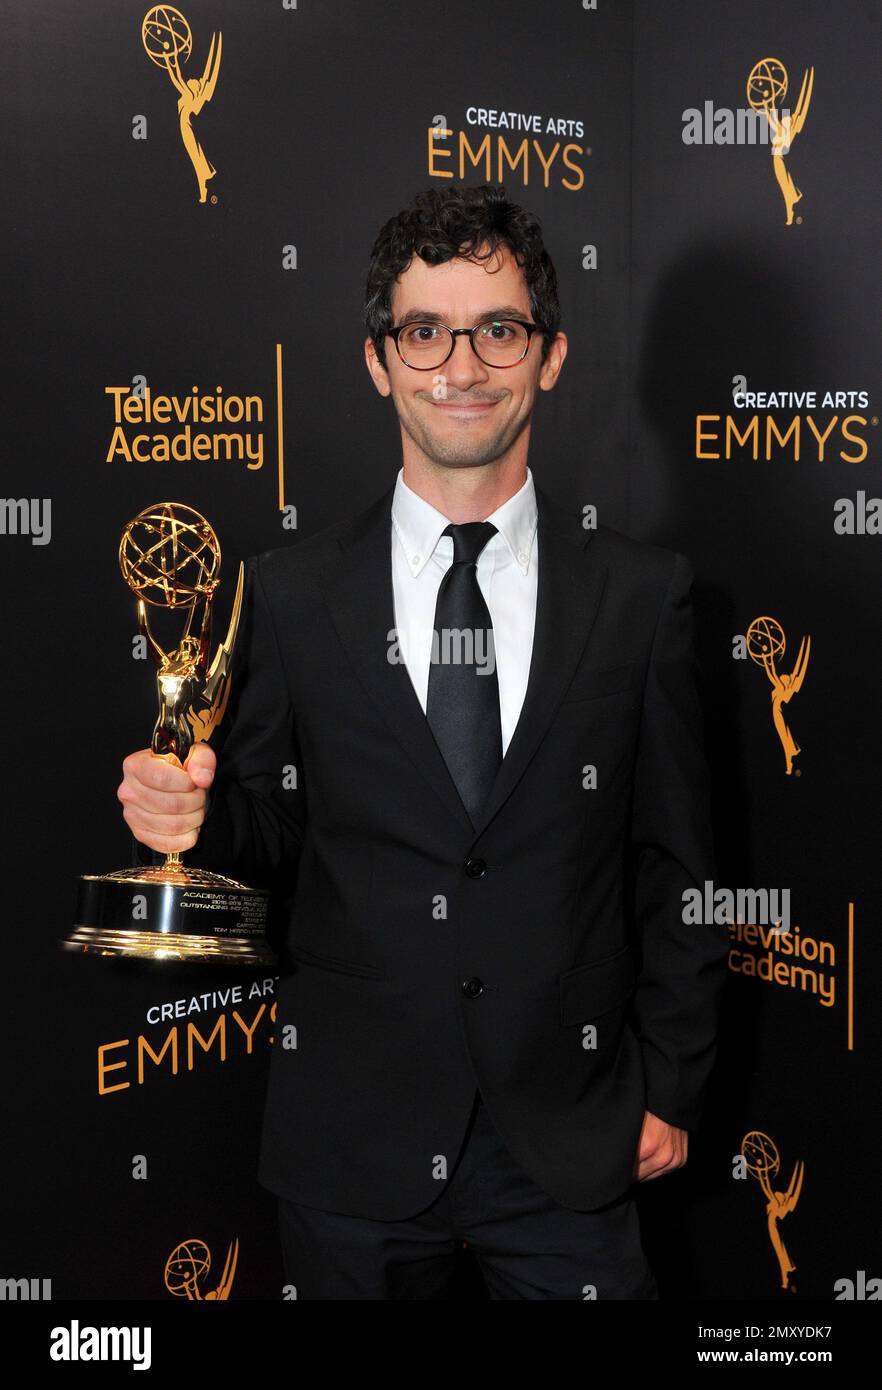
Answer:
(421, 333)
(498, 332)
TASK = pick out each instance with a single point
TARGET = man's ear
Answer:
(378, 372)
(550, 369)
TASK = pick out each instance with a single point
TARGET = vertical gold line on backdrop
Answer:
(851, 977)
(281, 437)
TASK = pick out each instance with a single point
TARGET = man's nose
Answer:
(464, 367)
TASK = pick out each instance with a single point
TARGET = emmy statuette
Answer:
(170, 558)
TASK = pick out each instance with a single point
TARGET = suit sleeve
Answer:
(682, 966)
(256, 806)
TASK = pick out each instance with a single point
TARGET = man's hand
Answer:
(662, 1148)
(163, 801)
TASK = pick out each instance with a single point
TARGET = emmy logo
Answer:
(190, 1262)
(765, 643)
(170, 557)
(763, 1162)
(167, 39)
(767, 85)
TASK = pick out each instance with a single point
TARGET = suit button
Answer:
(476, 868)
(472, 988)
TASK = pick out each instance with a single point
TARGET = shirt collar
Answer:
(419, 525)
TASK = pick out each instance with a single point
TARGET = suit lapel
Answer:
(361, 604)
(567, 599)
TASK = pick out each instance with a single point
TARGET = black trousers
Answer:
(526, 1245)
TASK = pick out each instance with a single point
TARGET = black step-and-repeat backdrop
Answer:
(191, 195)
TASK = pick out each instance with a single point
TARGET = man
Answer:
(497, 1020)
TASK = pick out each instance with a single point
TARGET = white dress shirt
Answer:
(508, 569)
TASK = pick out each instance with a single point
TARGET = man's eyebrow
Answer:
(502, 311)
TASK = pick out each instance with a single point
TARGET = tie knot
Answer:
(469, 539)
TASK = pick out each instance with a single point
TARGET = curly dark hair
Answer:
(444, 223)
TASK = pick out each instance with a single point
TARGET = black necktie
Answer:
(462, 704)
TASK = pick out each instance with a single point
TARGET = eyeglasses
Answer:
(497, 342)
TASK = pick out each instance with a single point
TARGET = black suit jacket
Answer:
(432, 955)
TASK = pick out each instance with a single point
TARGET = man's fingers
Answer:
(160, 772)
(131, 791)
(200, 763)
(162, 805)
(138, 819)
(168, 844)
(655, 1165)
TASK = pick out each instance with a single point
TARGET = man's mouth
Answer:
(466, 409)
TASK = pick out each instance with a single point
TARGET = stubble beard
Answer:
(460, 451)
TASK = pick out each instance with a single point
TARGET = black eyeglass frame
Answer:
(455, 333)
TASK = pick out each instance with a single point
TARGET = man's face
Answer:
(464, 413)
